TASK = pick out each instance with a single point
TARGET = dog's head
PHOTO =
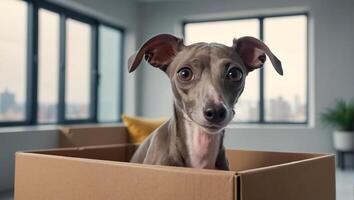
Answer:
(207, 78)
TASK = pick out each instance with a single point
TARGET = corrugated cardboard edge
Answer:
(237, 186)
(308, 179)
(78, 178)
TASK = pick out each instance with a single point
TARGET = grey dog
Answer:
(207, 79)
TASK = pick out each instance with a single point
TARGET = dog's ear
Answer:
(253, 53)
(159, 51)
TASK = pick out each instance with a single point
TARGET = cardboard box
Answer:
(92, 135)
(102, 173)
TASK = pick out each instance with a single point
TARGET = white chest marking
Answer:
(202, 147)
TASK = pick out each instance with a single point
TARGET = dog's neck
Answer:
(201, 147)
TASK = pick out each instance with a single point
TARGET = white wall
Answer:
(119, 12)
(331, 67)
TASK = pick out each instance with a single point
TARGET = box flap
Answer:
(243, 160)
(89, 135)
(117, 152)
(310, 179)
(75, 178)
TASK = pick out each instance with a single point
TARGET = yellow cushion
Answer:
(139, 128)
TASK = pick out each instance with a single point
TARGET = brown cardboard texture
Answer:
(101, 172)
(91, 135)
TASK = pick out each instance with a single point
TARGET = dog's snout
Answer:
(215, 113)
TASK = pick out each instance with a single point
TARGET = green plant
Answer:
(341, 116)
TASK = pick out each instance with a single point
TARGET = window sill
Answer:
(270, 126)
(16, 129)
(54, 127)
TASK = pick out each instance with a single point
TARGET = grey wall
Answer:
(20, 140)
(331, 66)
(119, 12)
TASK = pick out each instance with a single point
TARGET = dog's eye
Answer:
(234, 74)
(185, 74)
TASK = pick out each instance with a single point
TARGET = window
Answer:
(288, 101)
(13, 23)
(110, 80)
(78, 64)
(267, 98)
(48, 66)
(51, 63)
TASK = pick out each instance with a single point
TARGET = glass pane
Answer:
(286, 95)
(109, 67)
(77, 84)
(48, 66)
(247, 108)
(13, 23)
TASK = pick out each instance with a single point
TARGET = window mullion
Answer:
(62, 60)
(94, 73)
(121, 81)
(261, 77)
(32, 64)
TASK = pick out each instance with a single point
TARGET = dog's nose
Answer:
(215, 113)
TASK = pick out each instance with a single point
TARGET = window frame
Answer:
(262, 83)
(31, 112)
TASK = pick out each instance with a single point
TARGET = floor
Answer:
(345, 184)
(344, 179)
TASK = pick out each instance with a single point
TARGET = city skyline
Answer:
(12, 110)
(277, 109)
